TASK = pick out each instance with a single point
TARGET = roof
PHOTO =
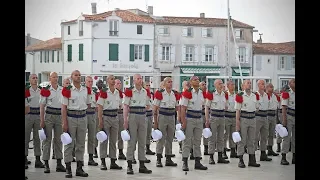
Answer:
(51, 44)
(274, 48)
(128, 16)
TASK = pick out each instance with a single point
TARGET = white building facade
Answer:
(276, 60)
(118, 42)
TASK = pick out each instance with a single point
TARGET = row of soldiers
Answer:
(110, 110)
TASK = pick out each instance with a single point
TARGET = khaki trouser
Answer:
(32, 123)
(279, 139)
(149, 129)
(247, 133)
(216, 140)
(272, 127)
(96, 142)
(205, 140)
(291, 135)
(120, 141)
(138, 132)
(262, 131)
(193, 132)
(77, 128)
(230, 126)
(92, 131)
(111, 127)
(54, 122)
(167, 127)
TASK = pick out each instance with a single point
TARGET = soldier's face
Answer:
(168, 84)
(33, 79)
(118, 84)
(89, 82)
(99, 84)
(54, 78)
(66, 83)
(147, 85)
(111, 80)
(195, 81)
(231, 86)
(76, 76)
(247, 85)
(270, 89)
(138, 80)
(261, 85)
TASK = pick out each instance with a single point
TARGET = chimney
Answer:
(150, 10)
(202, 15)
(94, 8)
(28, 39)
(259, 40)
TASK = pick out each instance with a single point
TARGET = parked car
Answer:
(44, 84)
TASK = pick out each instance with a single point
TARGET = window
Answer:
(40, 56)
(68, 30)
(242, 54)
(113, 52)
(113, 27)
(164, 31)
(206, 32)
(187, 32)
(147, 79)
(80, 52)
(60, 80)
(189, 53)
(209, 54)
(69, 52)
(52, 56)
(293, 62)
(81, 28)
(83, 79)
(27, 74)
(282, 63)
(284, 82)
(139, 29)
(165, 52)
(57, 56)
(138, 52)
(240, 34)
(269, 61)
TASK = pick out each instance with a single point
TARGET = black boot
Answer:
(293, 158)
(180, 147)
(38, 163)
(284, 159)
(121, 155)
(271, 152)
(26, 162)
(129, 168)
(233, 153)
(205, 150)
(185, 164)
(211, 159)
(264, 157)
(198, 165)
(68, 170)
(134, 160)
(60, 167)
(79, 170)
(95, 153)
(278, 147)
(46, 166)
(221, 159)
(290, 147)
(252, 161)
(227, 149)
(103, 164)
(245, 149)
(258, 146)
(147, 160)
(191, 155)
(91, 162)
(241, 163)
(159, 163)
(224, 154)
(148, 151)
(114, 165)
(169, 162)
(53, 155)
(143, 168)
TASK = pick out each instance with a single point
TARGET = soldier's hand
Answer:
(125, 124)
(284, 124)
(65, 127)
(207, 124)
(184, 126)
(238, 127)
(155, 125)
(100, 125)
(42, 124)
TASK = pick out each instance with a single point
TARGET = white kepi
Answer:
(236, 137)
(178, 126)
(65, 138)
(156, 135)
(42, 135)
(125, 136)
(206, 132)
(180, 135)
(282, 131)
(101, 136)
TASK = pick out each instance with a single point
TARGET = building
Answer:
(28, 40)
(118, 42)
(186, 46)
(276, 60)
(43, 58)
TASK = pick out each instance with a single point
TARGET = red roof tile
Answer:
(51, 44)
(274, 48)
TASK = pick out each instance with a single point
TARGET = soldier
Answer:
(149, 123)
(230, 121)
(246, 102)
(32, 120)
(50, 118)
(262, 126)
(26, 111)
(120, 117)
(191, 105)
(99, 85)
(203, 87)
(166, 104)
(75, 100)
(136, 102)
(280, 139)
(217, 104)
(109, 103)
(91, 118)
(288, 103)
(272, 108)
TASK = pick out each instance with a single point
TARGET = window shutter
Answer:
(58, 58)
(41, 56)
(203, 53)
(161, 31)
(196, 54)
(237, 55)
(184, 31)
(288, 63)
(247, 58)
(215, 54)
(204, 32)
(258, 63)
(69, 52)
(160, 52)
(113, 52)
(52, 56)
(279, 63)
(183, 53)
(146, 53)
(80, 52)
(172, 53)
(131, 52)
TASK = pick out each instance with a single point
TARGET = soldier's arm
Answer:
(42, 106)
(125, 103)
(183, 108)
(100, 104)
(156, 104)
(238, 108)
(178, 113)
(64, 105)
(284, 105)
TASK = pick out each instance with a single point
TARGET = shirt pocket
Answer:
(73, 100)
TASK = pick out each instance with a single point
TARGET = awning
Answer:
(244, 71)
(200, 70)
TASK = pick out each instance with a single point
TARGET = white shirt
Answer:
(54, 99)
(78, 100)
(34, 98)
(113, 100)
(219, 101)
(231, 102)
(291, 102)
(273, 102)
(249, 104)
(264, 101)
(168, 100)
(195, 103)
(138, 99)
